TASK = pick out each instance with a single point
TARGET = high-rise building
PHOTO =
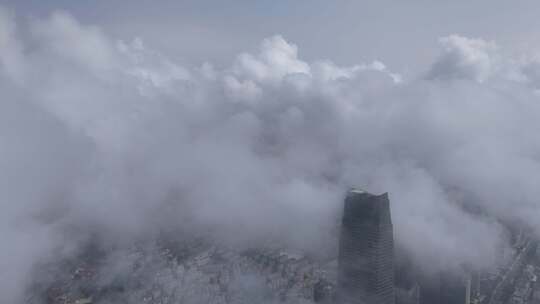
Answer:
(445, 288)
(366, 250)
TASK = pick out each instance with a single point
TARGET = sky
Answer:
(399, 33)
(248, 121)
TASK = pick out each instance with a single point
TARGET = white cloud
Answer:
(150, 68)
(465, 58)
(277, 59)
(10, 48)
(328, 71)
(246, 90)
(63, 36)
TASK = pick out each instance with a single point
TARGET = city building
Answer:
(445, 288)
(366, 250)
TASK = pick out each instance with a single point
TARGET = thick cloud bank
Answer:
(112, 139)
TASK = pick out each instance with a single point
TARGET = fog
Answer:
(110, 139)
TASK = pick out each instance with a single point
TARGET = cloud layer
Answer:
(108, 138)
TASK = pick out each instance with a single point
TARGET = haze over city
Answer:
(126, 125)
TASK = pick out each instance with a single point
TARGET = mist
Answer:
(111, 139)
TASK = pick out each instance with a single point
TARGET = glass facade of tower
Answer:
(444, 288)
(366, 249)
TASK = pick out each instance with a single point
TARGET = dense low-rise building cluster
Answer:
(214, 275)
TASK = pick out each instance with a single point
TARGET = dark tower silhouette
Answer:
(366, 250)
(445, 288)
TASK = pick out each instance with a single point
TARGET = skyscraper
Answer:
(445, 288)
(366, 250)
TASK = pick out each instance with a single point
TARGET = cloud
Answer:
(152, 69)
(277, 59)
(328, 71)
(42, 161)
(465, 58)
(10, 48)
(63, 36)
(113, 140)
